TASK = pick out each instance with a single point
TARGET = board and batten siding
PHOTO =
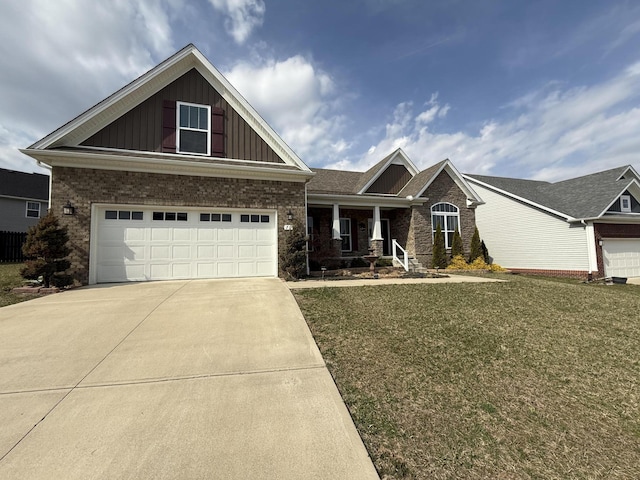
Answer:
(141, 128)
(519, 236)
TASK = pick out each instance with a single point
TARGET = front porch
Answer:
(339, 236)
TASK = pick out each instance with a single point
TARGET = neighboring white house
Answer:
(583, 226)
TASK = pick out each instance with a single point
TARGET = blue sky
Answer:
(546, 90)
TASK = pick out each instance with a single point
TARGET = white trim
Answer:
(26, 212)
(445, 215)
(396, 158)
(191, 129)
(591, 247)
(93, 234)
(568, 218)
(99, 116)
(473, 199)
(346, 235)
(43, 200)
(335, 224)
(626, 198)
(633, 171)
(376, 233)
(631, 183)
(364, 201)
(169, 166)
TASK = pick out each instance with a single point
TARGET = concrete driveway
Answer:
(192, 379)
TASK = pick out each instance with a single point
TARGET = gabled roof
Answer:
(102, 114)
(32, 186)
(370, 176)
(586, 197)
(343, 182)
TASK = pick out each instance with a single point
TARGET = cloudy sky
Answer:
(545, 90)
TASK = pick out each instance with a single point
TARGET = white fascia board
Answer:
(473, 198)
(629, 169)
(117, 104)
(568, 218)
(632, 184)
(105, 112)
(168, 166)
(403, 160)
(363, 201)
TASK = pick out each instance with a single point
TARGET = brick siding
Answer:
(84, 187)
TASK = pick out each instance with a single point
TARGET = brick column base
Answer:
(378, 247)
(336, 247)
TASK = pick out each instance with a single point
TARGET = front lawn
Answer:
(10, 278)
(531, 378)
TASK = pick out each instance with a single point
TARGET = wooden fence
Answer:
(11, 246)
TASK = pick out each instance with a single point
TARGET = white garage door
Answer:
(621, 257)
(137, 244)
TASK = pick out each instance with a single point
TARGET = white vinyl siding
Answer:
(521, 236)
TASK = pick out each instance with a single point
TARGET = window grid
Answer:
(447, 216)
(33, 209)
(194, 128)
(345, 234)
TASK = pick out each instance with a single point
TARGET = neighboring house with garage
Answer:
(24, 198)
(391, 208)
(176, 176)
(585, 226)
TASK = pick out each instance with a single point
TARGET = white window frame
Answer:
(444, 216)
(39, 209)
(626, 198)
(310, 234)
(207, 130)
(343, 236)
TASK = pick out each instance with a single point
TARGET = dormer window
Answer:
(625, 203)
(194, 129)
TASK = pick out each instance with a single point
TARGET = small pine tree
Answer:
(476, 249)
(439, 256)
(457, 248)
(46, 248)
(293, 259)
(485, 252)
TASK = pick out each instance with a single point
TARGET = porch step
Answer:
(414, 265)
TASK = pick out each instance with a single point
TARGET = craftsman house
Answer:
(176, 176)
(581, 227)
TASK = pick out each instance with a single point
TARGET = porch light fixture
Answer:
(289, 215)
(68, 209)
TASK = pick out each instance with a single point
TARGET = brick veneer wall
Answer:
(83, 187)
(612, 230)
(420, 240)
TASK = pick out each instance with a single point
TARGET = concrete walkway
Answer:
(367, 282)
(189, 380)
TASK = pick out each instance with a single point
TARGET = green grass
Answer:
(10, 278)
(532, 378)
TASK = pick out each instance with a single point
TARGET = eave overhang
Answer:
(166, 165)
(363, 200)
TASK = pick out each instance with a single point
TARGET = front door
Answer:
(386, 238)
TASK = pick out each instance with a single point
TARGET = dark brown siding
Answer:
(391, 181)
(141, 128)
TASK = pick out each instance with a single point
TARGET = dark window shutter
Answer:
(217, 132)
(169, 126)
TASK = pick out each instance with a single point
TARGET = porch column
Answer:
(335, 235)
(376, 235)
(591, 247)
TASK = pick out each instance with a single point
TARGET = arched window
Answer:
(447, 216)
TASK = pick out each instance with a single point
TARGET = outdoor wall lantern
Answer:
(289, 215)
(68, 209)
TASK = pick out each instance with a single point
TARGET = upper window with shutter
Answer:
(193, 133)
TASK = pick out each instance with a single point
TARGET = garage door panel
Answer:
(166, 248)
(621, 257)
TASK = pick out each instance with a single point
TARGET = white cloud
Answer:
(243, 16)
(550, 134)
(59, 58)
(298, 100)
